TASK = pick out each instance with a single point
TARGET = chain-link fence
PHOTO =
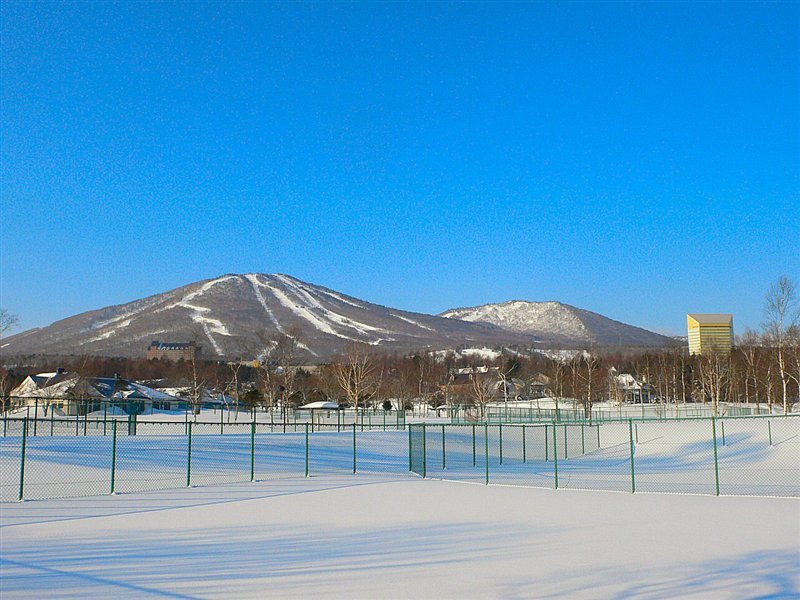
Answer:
(53, 458)
(129, 455)
(91, 416)
(574, 412)
(723, 456)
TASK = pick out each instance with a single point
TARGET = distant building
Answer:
(173, 350)
(710, 332)
(69, 394)
(625, 388)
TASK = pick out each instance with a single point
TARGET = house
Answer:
(69, 394)
(626, 388)
(32, 383)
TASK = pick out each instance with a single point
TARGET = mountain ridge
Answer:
(552, 319)
(236, 314)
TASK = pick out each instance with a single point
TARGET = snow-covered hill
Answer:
(560, 323)
(236, 315)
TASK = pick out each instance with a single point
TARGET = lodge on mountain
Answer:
(710, 332)
(173, 350)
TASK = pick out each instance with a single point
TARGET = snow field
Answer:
(338, 536)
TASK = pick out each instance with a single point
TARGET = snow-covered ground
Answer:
(340, 536)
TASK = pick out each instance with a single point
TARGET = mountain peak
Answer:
(237, 314)
(553, 320)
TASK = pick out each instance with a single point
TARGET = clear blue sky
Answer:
(638, 160)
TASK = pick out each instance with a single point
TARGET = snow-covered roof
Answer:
(321, 405)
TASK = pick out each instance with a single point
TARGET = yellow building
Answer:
(709, 332)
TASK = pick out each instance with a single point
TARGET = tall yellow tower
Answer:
(709, 332)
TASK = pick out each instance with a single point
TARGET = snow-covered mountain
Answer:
(237, 314)
(554, 322)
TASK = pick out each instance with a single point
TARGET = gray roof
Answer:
(707, 318)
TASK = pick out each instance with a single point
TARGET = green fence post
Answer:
(35, 416)
(716, 462)
(22, 459)
(769, 429)
(306, 449)
(474, 457)
(555, 455)
(566, 452)
(524, 447)
(598, 436)
(722, 424)
(636, 433)
(486, 449)
(583, 441)
(424, 452)
(444, 450)
(52, 420)
(500, 428)
(113, 454)
(189, 459)
(253, 450)
(546, 445)
(633, 472)
(354, 448)
(410, 464)
(105, 417)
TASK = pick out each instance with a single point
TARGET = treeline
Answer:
(750, 374)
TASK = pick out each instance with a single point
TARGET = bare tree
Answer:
(793, 347)
(358, 375)
(591, 365)
(750, 352)
(714, 377)
(277, 371)
(197, 383)
(404, 383)
(7, 322)
(780, 314)
(557, 370)
(483, 390)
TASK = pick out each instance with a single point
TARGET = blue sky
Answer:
(638, 160)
